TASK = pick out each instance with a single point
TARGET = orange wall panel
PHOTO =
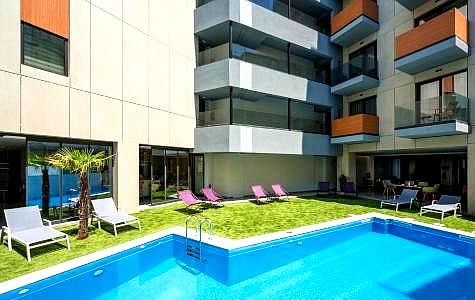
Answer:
(449, 24)
(354, 10)
(356, 124)
(50, 15)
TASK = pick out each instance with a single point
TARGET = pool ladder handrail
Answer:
(198, 228)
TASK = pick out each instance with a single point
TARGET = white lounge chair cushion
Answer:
(118, 218)
(441, 207)
(36, 235)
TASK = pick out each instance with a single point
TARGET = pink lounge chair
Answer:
(211, 195)
(189, 198)
(279, 191)
(259, 192)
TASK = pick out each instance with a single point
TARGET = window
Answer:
(459, 4)
(363, 61)
(44, 50)
(442, 99)
(363, 106)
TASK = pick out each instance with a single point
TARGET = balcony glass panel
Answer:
(279, 6)
(212, 112)
(440, 109)
(360, 65)
(307, 65)
(309, 118)
(260, 50)
(259, 110)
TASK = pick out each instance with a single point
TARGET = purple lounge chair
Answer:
(211, 195)
(259, 192)
(189, 198)
(279, 191)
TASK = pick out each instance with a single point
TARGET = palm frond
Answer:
(79, 161)
(38, 160)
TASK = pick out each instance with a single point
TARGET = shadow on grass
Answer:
(35, 252)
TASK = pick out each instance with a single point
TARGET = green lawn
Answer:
(236, 221)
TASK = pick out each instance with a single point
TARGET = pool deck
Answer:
(221, 242)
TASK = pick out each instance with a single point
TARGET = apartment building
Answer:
(407, 82)
(264, 105)
(111, 75)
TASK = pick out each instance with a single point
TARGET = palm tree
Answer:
(41, 161)
(80, 162)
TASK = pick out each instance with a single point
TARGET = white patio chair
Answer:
(106, 211)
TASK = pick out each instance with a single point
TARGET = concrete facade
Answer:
(130, 82)
(397, 87)
(236, 156)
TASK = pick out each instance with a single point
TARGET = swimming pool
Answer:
(366, 259)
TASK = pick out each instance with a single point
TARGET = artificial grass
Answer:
(234, 220)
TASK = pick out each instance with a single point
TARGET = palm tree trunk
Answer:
(83, 207)
(45, 192)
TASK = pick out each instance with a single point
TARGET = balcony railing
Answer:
(353, 69)
(448, 108)
(356, 124)
(351, 12)
(449, 24)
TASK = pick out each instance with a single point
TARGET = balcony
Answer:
(211, 23)
(355, 77)
(355, 22)
(362, 128)
(411, 4)
(437, 42)
(249, 139)
(439, 116)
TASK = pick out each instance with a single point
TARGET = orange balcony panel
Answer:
(449, 24)
(50, 15)
(355, 9)
(357, 124)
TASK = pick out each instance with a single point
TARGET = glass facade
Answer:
(260, 49)
(61, 202)
(44, 50)
(162, 172)
(308, 117)
(242, 107)
(443, 99)
(361, 62)
(253, 109)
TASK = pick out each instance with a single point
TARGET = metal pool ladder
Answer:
(195, 251)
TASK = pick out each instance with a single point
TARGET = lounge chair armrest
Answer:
(48, 221)
(434, 201)
(396, 197)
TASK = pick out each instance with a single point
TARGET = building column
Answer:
(126, 176)
(470, 179)
(346, 165)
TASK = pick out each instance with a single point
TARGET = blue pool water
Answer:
(362, 260)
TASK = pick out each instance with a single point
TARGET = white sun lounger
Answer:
(407, 197)
(25, 226)
(444, 205)
(105, 210)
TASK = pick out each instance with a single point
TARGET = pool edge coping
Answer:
(221, 242)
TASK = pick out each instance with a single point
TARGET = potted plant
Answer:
(342, 180)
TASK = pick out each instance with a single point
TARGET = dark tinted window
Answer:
(43, 50)
(308, 117)
(213, 111)
(363, 106)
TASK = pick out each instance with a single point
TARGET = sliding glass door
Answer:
(162, 173)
